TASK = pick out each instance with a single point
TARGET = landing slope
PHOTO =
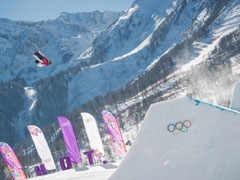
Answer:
(209, 150)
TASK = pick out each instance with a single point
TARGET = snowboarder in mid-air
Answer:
(41, 60)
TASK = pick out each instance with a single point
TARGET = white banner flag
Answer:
(93, 134)
(42, 147)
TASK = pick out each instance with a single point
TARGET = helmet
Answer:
(49, 62)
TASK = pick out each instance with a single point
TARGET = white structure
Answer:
(92, 132)
(235, 103)
(209, 150)
(42, 147)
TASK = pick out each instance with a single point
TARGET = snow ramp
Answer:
(209, 149)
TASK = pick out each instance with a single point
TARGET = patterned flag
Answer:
(114, 133)
(12, 161)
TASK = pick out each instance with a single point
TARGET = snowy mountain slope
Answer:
(174, 71)
(61, 39)
(211, 69)
(150, 26)
(227, 22)
(148, 40)
(198, 49)
(132, 31)
(143, 28)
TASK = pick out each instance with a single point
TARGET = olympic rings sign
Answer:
(179, 127)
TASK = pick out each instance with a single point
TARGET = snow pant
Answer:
(39, 55)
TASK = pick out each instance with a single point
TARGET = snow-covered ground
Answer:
(98, 172)
(32, 95)
(209, 149)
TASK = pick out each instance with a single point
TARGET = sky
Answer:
(37, 10)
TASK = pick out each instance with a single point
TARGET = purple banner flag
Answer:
(114, 133)
(70, 139)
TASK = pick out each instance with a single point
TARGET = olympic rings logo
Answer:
(179, 127)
